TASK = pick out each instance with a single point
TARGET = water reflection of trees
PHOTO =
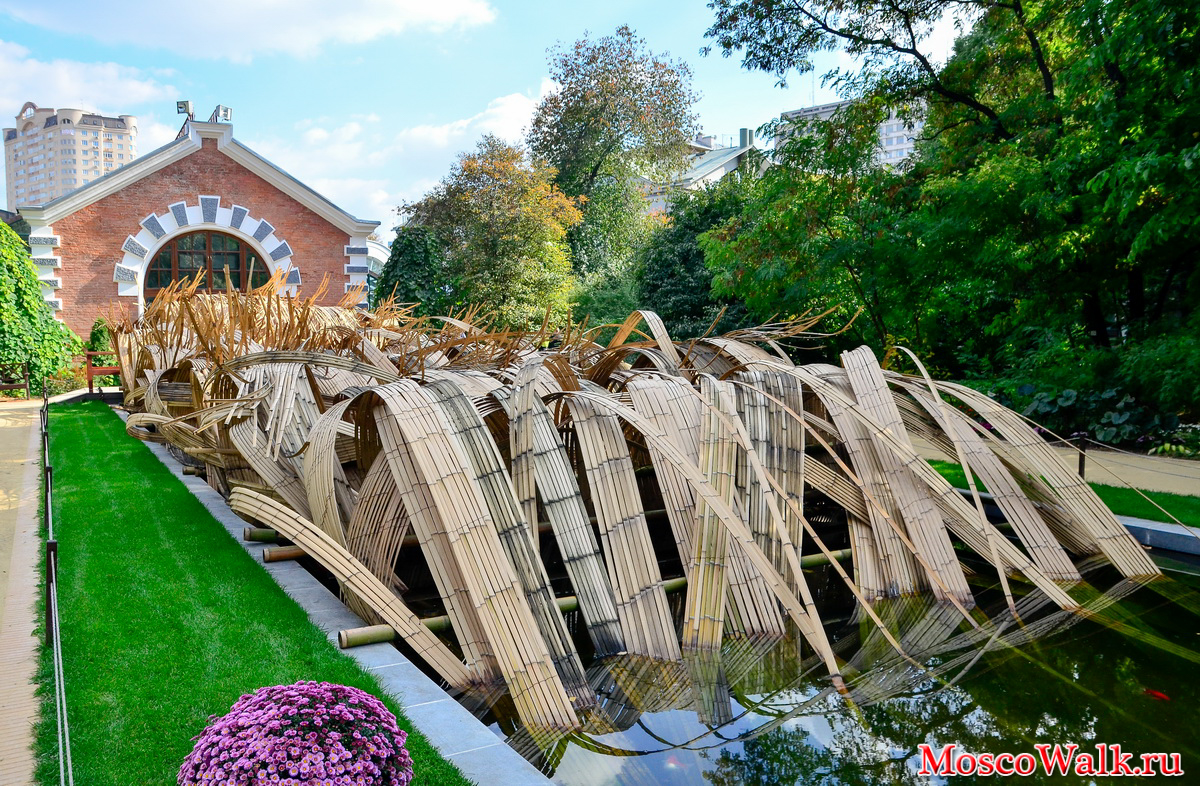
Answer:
(1024, 685)
(763, 714)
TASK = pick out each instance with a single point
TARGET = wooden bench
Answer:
(99, 371)
(15, 376)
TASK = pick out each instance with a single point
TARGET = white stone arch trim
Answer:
(180, 218)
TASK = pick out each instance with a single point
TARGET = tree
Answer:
(416, 272)
(825, 226)
(28, 330)
(603, 250)
(890, 39)
(672, 278)
(621, 116)
(1045, 238)
(500, 226)
(619, 111)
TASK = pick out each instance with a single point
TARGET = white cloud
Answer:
(238, 29)
(368, 168)
(506, 117)
(95, 87)
(108, 88)
(153, 134)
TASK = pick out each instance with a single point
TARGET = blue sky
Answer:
(368, 101)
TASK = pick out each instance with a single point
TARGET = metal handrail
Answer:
(66, 774)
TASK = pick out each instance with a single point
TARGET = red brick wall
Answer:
(92, 237)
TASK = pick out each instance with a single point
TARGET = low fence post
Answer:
(51, 578)
(1083, 443)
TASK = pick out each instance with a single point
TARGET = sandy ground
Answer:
(19, 547)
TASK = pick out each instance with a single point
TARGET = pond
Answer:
(1122, 673)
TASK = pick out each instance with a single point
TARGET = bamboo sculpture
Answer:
(351, 433)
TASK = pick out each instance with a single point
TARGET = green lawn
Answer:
(165, 619)
(1122, 501)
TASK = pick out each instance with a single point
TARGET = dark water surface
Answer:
(1126, 672)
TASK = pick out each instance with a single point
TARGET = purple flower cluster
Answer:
(306, 733)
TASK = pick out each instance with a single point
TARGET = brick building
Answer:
(204, 204)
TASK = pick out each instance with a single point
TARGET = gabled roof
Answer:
(709, 162)
(181, 148)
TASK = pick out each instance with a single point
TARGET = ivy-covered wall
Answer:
(28, 330)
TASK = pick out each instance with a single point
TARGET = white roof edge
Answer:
(303, 194)
(181, 148)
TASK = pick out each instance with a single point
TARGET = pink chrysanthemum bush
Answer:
(306, 733)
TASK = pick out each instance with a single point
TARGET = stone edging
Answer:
(457, 734)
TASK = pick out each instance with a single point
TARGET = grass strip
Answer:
(165, 619)
(1122, 501)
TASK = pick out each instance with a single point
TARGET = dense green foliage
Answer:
(621, 117)
(28, 330)
(1043, 242)
(495, 234)
(672, 279)
(603, 249)
(416, 272)
(165, 619)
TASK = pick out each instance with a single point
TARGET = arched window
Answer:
(221, 259)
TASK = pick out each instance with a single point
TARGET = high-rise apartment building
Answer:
(896, 135)
(50, 152)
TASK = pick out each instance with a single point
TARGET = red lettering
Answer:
(1025, 764)
(1059, 760)
(1004, 764)
(1121, 761)
(966, 764)
(1085, 764)
(936, 766)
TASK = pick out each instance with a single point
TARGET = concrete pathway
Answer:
(20, 444)
(1114, 468)
(1151, 473)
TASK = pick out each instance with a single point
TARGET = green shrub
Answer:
(1166, 370)
(100, 340)
(28, 330)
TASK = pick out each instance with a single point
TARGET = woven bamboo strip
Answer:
(959, 517)
(917, 510)
(337, 560)
(632, 567)
(377, 527)
(251, 443)
(323, 475)
(752, 609)
(708, 582)
(671, 404)
(435, 545)
(800, 612)
(1019, 511)
(521, 442)
(1114, 540)
(559, 491)
(899, 572)
(432, 459)
(1023, 497)
(678, 415)
(513, 530)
